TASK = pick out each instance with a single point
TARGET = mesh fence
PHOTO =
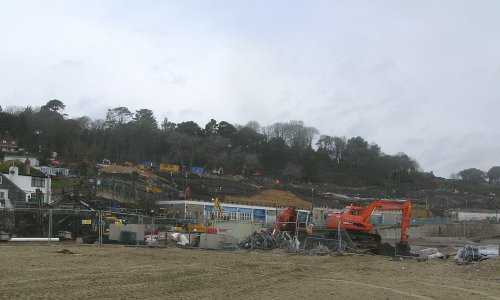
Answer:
(88, 225)
(46, 223)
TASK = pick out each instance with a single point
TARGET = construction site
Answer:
(131, 232)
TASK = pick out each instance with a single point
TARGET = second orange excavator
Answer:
(356, 219)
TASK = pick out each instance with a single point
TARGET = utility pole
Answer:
(312, 197)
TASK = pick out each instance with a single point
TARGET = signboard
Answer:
(169, 168)
(86, 222)
(197, 170)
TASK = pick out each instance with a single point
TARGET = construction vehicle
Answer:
(105, 163)
(147, 166)
(291, 219)
(214, 209)
(354, 220)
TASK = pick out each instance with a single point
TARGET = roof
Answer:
(4, 168)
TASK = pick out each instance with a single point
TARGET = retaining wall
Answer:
(442, 230)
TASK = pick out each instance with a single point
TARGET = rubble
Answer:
(430, 253)
(180, 238)
(263, 239)
(471, 253)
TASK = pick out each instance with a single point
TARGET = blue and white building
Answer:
(200, 210)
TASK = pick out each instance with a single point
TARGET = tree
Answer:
(226, 130)
(167, 126)
(340, 145)
(211, 128)
(189, 128)
(118, 116)
(494, 174)
(326, 142)
(274, 156)
(182, 147)
(292, 171)
(472, 175)
(212, 148)
(54, 105)
(294, 133)
(247, 139)
(145, 118)
(356, 149)
(254, 125)
(84, 122)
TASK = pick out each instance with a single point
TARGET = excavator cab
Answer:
(303, 219)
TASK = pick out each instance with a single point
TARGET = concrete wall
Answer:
(115, 196)
(215, 241)
(442, 230)
(239, 230)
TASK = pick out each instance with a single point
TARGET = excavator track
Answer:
(365, 242)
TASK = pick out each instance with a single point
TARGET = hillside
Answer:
(439, 194)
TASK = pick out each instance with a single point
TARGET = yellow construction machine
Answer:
(214, 209)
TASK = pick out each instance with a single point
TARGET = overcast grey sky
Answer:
(420, 77)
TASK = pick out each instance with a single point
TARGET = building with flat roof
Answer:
(202, 211)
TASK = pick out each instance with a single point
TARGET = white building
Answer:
(37, 187)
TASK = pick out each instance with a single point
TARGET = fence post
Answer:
(99, 227)
(140, 223)
(153, 221)
(396, 237)
(339, 252)
(50, 226)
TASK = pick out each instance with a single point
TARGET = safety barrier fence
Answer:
(40, 224)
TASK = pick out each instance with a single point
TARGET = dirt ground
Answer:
(120, 272)
(270, 198)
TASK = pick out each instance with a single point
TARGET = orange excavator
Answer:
(356, 219)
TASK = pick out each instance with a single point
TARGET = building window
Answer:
(232, 215)
(245, 216)
(2, 195)
(38, 181)
(33, 198)
(208, 214)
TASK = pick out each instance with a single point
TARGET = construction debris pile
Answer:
(471, 253)
(263, 239)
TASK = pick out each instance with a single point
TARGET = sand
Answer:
(120, 272)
